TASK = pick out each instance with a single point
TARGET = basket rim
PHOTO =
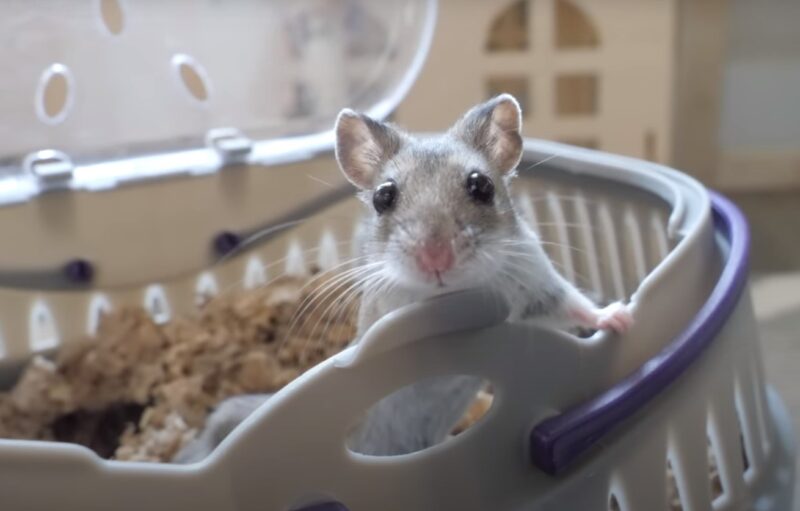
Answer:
(558, 442)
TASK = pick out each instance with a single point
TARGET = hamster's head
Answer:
(440, 215)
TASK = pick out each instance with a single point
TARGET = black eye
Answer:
(385, 196)
(480, 187)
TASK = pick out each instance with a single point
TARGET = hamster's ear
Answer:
(363, 146)
(493, 128)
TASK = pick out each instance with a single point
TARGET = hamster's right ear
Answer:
(363, 146)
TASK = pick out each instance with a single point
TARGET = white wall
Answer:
(761, 92)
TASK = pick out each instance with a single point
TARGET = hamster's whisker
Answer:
(257, 236)
(560, 196)
(321, 181)
(321, 293)
(497, 268)
(571, 225)
(513, 258)
(346, 297)
(333, 270)
(331, 285)
(318, 297)
(542, 161)
(512, 243)
(236, 284)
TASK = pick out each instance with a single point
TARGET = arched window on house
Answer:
(574, 28)
(509, 29)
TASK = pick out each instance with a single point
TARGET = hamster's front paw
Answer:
(616, 317)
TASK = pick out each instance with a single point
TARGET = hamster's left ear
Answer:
(493, 128)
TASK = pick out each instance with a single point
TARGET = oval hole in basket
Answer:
(112, 15)
(421, 415)
(54, 94)
(192, 76)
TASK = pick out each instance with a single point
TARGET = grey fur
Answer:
(229, 414)
(493, 247)
(385, 430)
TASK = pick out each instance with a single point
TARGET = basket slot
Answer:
(688, 454)
(642, 476)
(99, 305)
(42, 328)
(658, 239)
(255, 273)
(562, 245)
(725, 449)
(613, 503)
(752, 378)
(527, 211)
(295, 260)
(206, 288)
(610, 243)
(328, 253)
(156, 303)
(616, 496)
(634, 249)
(716, 484)
(675, 481)
(545, 228)
(752, 454)
(358, 233)
(588, 255)
(730, 441)
(759, 398)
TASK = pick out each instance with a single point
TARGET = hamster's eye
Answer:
(385, 196)
(480, 187)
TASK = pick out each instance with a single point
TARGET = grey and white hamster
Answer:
(439, 217)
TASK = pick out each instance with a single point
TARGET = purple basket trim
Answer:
(557, 442)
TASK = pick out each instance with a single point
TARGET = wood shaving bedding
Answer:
(139, 391)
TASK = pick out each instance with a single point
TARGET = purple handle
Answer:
(557, 442)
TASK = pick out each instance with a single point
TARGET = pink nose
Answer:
(435, 257)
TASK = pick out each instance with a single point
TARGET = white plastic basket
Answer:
(575, 424)
(632, 403)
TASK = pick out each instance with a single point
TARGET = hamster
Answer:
(439, 218)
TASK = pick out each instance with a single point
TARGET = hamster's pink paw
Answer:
(616, 317)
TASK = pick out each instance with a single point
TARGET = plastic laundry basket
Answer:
(576, 424)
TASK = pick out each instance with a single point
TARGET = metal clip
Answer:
(52, 169)
(230, 143)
